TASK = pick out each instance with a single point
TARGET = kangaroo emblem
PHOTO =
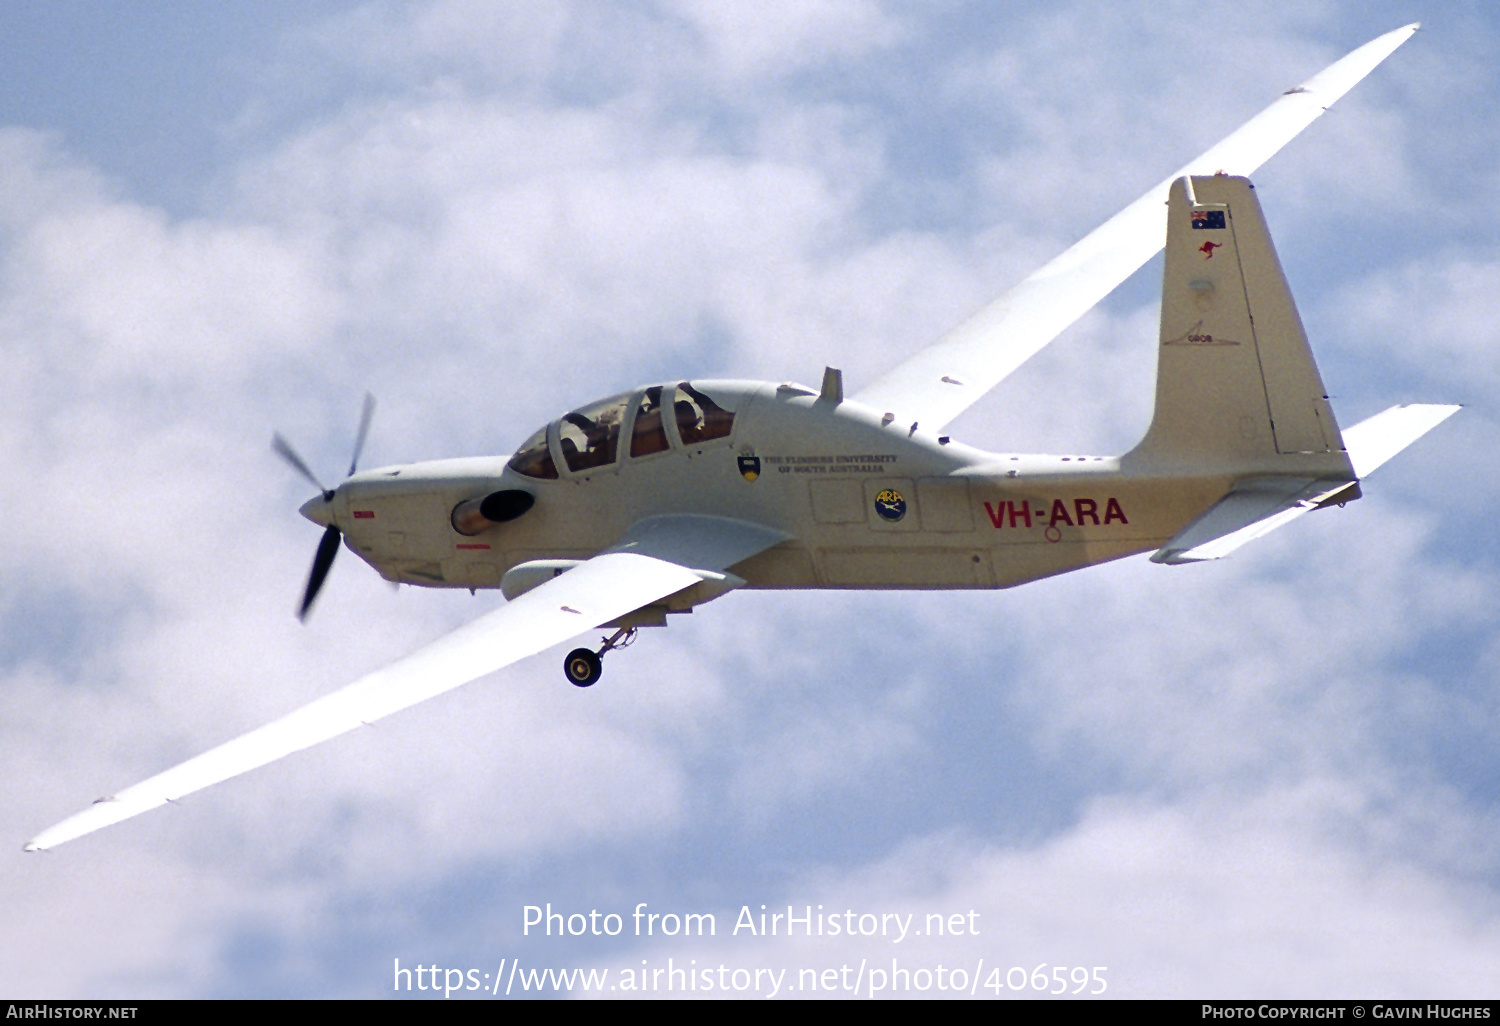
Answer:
(1207, 249)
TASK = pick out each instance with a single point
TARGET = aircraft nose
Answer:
(318, 510)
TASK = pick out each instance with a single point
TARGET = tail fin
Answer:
(1236, 388)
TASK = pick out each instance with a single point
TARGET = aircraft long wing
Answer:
(940, 382)
(658, 557)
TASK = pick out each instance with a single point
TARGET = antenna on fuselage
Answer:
(833, 386)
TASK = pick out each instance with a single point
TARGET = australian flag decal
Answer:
(1208, 219)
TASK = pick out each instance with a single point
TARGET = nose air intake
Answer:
(476, 515)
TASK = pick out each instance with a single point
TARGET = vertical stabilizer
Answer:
(1236, 386)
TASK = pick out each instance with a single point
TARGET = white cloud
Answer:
(746, 39)
(1427, 317)
(1223, 896)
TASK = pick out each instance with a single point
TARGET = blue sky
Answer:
(1272, 775)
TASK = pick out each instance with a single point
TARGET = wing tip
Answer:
(48, 839)
(1442, 411)
(1406, 31)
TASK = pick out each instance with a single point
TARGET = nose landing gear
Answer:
(583, 668)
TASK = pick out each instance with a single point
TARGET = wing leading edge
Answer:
(610, 585)
(940, 382)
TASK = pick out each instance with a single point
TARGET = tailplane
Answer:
(1258, 505)
(1371, 442)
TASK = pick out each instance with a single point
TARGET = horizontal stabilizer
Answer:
(1259, 505)
(1371, 442)
(1254, 507)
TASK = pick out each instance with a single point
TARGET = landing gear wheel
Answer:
(582, 667)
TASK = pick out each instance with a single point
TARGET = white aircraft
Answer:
(658, 500)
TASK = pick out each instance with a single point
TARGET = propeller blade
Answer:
(327, 549)
(329, 546)
(364, 429)
(284, 449)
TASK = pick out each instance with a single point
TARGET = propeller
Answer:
(329, 546)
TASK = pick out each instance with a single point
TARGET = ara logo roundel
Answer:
(890, 505)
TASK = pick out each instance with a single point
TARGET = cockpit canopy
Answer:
(589, 438)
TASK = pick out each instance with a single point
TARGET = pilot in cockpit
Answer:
(699, 418)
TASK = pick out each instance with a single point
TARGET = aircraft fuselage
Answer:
(865, 502)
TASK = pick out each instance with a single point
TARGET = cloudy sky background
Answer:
(1273, 775)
